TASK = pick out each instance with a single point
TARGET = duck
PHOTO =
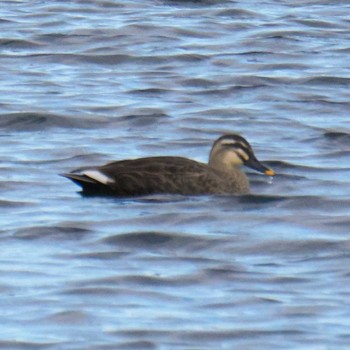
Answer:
(222, 175)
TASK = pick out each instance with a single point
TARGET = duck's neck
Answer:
(228, 163)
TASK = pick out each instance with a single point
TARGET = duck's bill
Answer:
(256, 165)
(269, 172)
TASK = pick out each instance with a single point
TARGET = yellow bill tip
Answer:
(270, 172)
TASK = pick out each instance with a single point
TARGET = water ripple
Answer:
(88, 82)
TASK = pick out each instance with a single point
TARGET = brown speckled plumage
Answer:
(174, 175)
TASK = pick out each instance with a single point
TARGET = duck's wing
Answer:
(156, 164)
(148, 176)
(88, 184)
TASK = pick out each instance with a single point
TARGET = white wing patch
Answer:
(98, 176)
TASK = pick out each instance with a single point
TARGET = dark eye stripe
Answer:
(245, 149)
(238, 145)
(240, 157)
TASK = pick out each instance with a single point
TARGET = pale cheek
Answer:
(243, 155)
(232, 159)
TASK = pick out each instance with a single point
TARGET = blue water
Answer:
(87, 82)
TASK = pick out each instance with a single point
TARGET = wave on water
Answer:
(88, 82)
(31, 121)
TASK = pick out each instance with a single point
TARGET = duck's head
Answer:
(233, 151)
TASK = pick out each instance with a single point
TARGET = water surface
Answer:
(87, 82)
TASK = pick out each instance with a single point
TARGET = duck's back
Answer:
(156, 175)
